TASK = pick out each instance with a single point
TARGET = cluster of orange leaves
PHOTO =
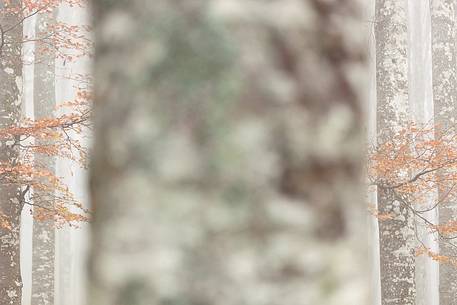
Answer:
(416, 162)
(422, 250)
(66, 41)
(54, 134)
(27, 7)
(53, 137)
(50, 197)
(411, 160)
(56, 137)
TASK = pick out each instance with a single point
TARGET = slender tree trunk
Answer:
(64, 266)
(443, 27)
(43, 231)
(396, 235)
(10, 193)
(227, 153)
(421, 102)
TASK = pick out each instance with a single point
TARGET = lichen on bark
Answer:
(10, 195)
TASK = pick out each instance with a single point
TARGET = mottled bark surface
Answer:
(396, 236)
(10, 199)
(43, 231)
(64, 266)
(226, 166)
(443, 29)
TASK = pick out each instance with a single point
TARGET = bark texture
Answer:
(43, 231)
(226, 166)
(10, 193)
(396, 235)
(443, 29)
(421, 102)
(65, 268)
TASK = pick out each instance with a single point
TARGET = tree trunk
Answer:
(227, 156)
(396, 235)
(10, 193)
(443, 29)
(421, 102)
(43, 230)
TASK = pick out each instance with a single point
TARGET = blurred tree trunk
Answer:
(443, 29)
(396, 235)
(228, 150)
(10, 193)
(421, 103)
(43, 230)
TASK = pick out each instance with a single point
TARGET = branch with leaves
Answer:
(412, 164)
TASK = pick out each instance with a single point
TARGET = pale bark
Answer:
(226, 166)
(443, 28)
(396, 235)
(64, 267)
(43, 237)
(421, 101)
(370, 115)
(10, 193)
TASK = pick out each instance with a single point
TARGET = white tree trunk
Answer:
(28, 50)
(443, 27)
(421, 101)
(370, 115)
(10, 194)
(71, 244)
(396, 235)
(43, 231)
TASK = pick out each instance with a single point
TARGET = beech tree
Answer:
(10, 114)
(397, 258)
(26, 174)
(43, 237)
(443, 27)
(416, 150)
(214, 176)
